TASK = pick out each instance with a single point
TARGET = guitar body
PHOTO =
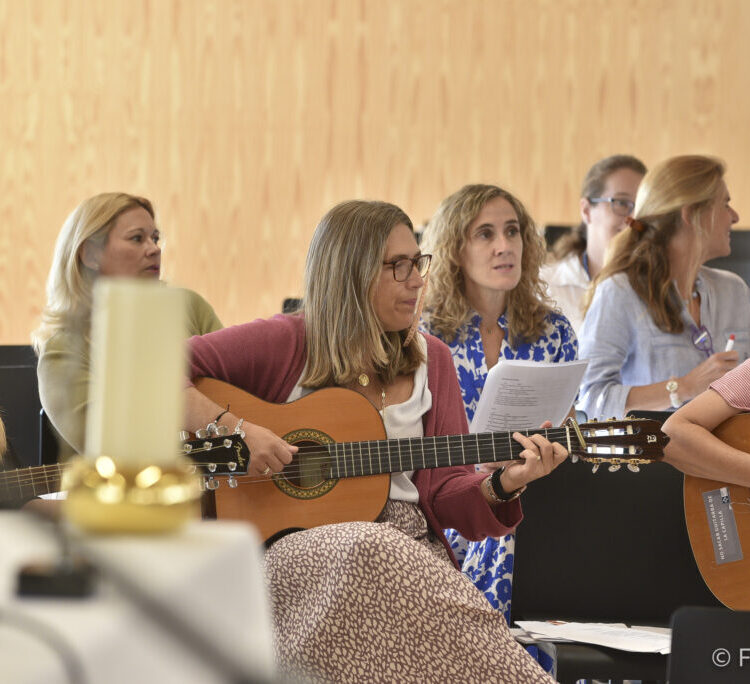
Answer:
(325, 416)
(728, 581)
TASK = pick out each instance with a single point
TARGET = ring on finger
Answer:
(266, 471)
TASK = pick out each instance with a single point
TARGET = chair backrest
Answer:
(739, 260)
(610, 546)
(19, 404)
(710, 645)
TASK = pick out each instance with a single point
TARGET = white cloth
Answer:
(400, 420)
(207, 576)
(567, 282)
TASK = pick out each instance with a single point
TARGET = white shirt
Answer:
(567, 282)
(400, 420)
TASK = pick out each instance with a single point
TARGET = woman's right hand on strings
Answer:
(268, 453)
(698, 379)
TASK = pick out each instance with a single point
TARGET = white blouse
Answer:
(400, 420)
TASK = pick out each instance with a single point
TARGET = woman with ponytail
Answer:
(658, 321)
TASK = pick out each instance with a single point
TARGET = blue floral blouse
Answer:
(489, 563)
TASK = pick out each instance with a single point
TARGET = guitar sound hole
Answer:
(308, 470)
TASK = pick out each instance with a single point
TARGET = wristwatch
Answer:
(672, 387)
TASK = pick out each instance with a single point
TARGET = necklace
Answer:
(363, 379)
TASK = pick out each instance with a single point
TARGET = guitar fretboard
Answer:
(26, 483)
(353, 459)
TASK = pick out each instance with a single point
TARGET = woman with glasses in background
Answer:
(374, 601)
(486, 302)
(658, 324)
(607, 199)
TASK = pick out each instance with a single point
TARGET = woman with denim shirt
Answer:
(658, 322)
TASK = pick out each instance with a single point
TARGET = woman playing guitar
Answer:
(378, 601)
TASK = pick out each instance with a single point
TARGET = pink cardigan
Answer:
(267, 357)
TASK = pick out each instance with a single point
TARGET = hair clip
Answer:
(635, 224)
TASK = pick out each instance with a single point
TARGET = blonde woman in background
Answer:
(111, 234)
(485, 300)
(607, 199)
(659, 321)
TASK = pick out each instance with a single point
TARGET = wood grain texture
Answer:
(245, 120)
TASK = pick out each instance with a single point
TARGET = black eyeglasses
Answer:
(620, 206)
(402, 267)
(702, 340)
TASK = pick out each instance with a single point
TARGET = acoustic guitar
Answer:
(337, 477)
(717, 515)
(228, 457)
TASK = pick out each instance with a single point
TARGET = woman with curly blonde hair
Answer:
(486, 301)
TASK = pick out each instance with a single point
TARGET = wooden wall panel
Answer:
(244, 120)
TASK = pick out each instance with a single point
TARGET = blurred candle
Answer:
(138, 367)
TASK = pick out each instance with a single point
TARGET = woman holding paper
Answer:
(375, 601)
(112, 234)
(659, 321)
(487, 302)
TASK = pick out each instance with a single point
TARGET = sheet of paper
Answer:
(612, 636)
(521, 395)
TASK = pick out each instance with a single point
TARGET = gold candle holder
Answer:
(106, 498)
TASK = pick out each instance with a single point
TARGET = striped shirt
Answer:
(734, 386)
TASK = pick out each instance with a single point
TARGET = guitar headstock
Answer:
(218, 456)
(632, 442)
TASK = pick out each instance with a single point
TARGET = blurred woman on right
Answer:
(658, 322)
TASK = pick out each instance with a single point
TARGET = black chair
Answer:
(48, 444)
(710, 645)
(605, 547)
(290, 304)
(19, 404)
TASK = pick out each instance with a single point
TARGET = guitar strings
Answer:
(315, 454)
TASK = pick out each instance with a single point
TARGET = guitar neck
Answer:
(26, 483)
(354, 459)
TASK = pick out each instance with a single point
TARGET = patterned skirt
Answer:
(381, 602)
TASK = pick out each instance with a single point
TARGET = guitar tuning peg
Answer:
(211, 467)
(202, 433)
(574, 458)
(207, 446)
(222, 430)
(212, 483)
(184, 435)
(187, 448)
(633, 468)
(595, 467)
(231, 466)
(227, 443)
(614, 467)
(232, 482)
